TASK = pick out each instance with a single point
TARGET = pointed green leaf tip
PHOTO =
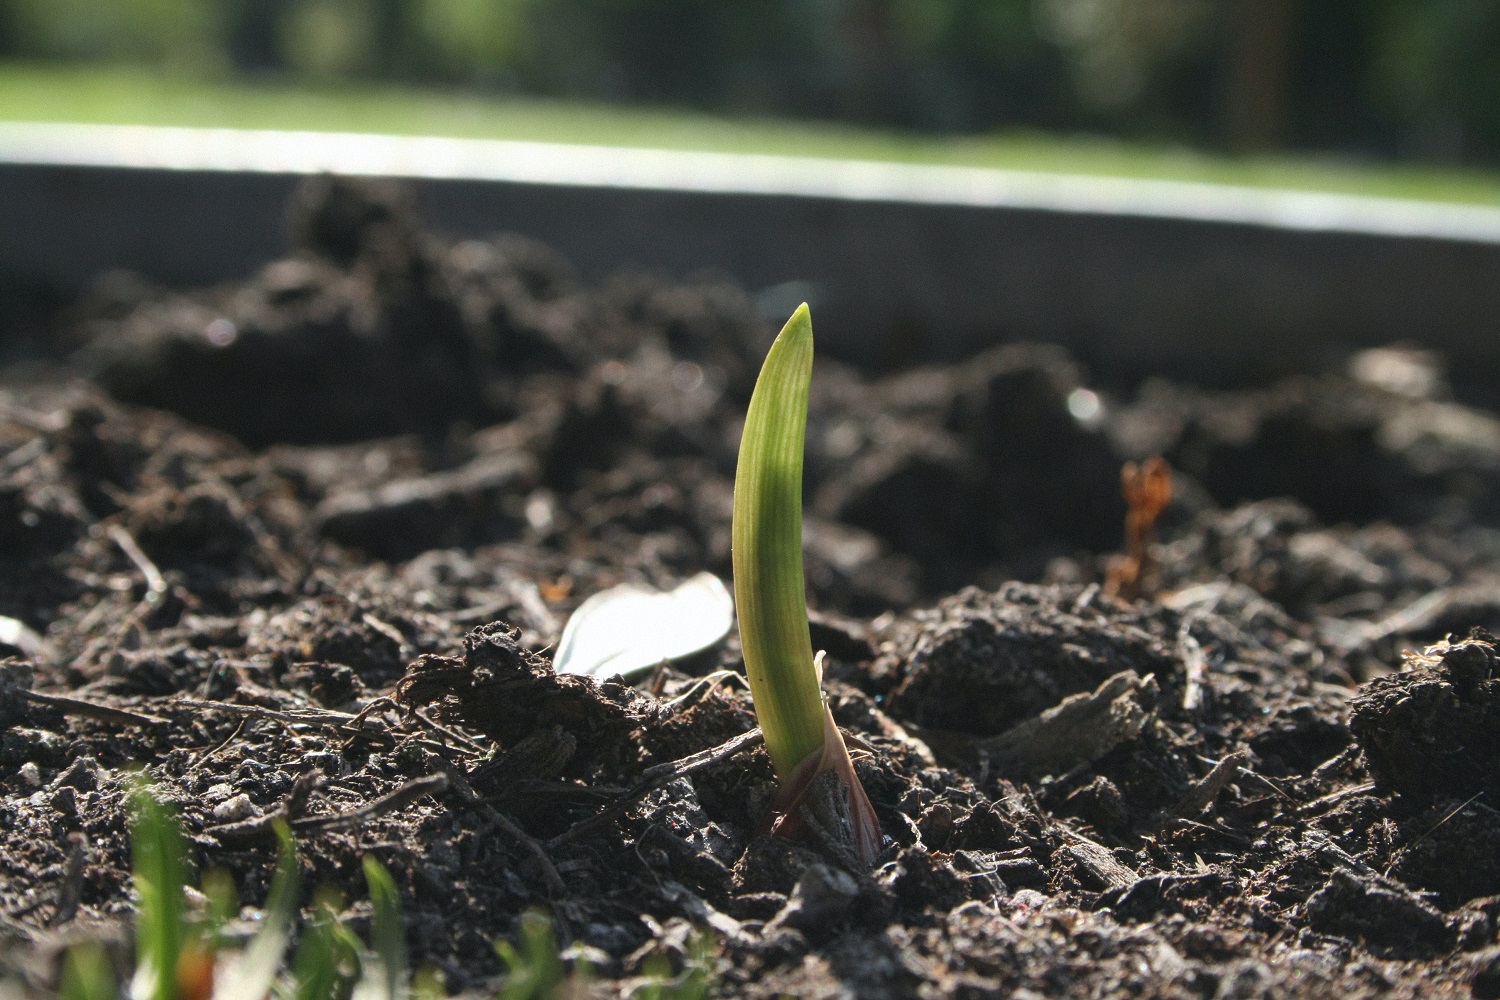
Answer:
(161, 910)
(383, 975)
(767, 544)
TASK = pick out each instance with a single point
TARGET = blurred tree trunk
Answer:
(254, 33)
(870, 34)
(1258, 86)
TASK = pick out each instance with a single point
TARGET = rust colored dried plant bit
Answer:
(195, 972)
(557, 590)
(1147, 489)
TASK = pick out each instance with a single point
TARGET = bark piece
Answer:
(1100, 863)
(1077, 731)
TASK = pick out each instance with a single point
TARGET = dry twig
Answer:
(1434, 828)
(92, 710)
(400, 798)
(656, 776)
(512, 829)
(209, 755)
(156, 584)
(70, 893)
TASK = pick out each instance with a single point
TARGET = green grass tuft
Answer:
(331, 962)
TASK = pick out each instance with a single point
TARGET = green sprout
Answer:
(534, 969)
(383, 974)
(161, 929)
(178, 953)
(695, 981)
(812, 763)
(87, 974)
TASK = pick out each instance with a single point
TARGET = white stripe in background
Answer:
(157, 147)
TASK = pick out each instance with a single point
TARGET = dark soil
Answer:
(294, 543)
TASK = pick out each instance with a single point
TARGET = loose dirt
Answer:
(300, 546)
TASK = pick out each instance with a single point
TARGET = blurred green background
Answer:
(1300, 92)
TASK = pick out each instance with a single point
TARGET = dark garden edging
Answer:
(901, 260)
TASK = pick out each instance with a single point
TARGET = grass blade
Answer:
(161, 918)
(535, 970)
(384, 976)
(325, 957)
(261, 960)
(87, 974)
